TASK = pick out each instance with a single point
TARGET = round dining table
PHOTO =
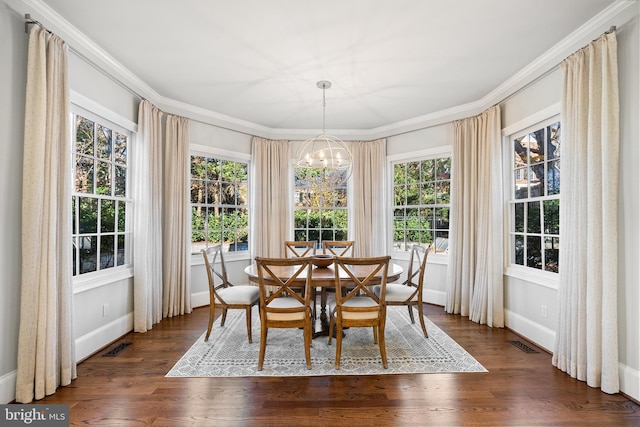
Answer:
(323, 277)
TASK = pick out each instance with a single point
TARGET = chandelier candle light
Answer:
(326, 153)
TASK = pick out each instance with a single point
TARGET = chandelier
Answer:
(326, 158)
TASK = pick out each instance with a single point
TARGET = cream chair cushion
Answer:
(357, 302)
(240, 294)
(396, 292)
(285, 302)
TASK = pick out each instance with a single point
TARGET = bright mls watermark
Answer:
(34, 415)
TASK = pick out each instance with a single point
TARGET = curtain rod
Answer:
(30, 21)
(549, 71)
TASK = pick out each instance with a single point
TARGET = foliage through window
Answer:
(319, 214)
(219, 204)
(421, 203)
(535, 203)
(99, 202)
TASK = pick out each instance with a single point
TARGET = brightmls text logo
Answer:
(34, 415)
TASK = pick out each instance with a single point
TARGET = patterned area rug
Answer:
(229, 354)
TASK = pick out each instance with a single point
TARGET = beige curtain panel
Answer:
(367, 204)
(46, 350)
(586, 344)
(270, 197)
(175, 237)
(147, 218)
(475, 271)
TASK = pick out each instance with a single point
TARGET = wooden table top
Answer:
(322, 277)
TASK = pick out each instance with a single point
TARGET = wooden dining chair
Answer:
(282, 303)
(359, 306)
(299, 249)
(409, 292)
(338, 248)
(224, 294)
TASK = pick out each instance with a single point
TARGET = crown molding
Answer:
(98, 57)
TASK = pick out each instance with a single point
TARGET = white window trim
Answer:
(520, 272)
(220, 153)
(92, 110)
(429, 153)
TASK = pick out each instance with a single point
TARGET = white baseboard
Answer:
(89, 343)
(8, 387)
(536, 333)
(629, 381)
(434, 297)
(200, 299)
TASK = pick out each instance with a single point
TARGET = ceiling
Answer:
(389, 61)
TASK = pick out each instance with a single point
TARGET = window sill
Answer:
(542, 278)
(438, 258)
(196, 259)
(89, 281)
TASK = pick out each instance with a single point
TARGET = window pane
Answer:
(243, 193)
(428, 193)
(197, 191)
(213, 169)
(413, 194)
(88, 249)
(441, 241)
(551, 253)
(551, 216)
(84, 136)
(300, 218)
(228, 193)
(553, 141)
(198, 167)
(122, 212)
(442, 219)
(400, 195)
(553, 177)
(443, 191)
(428, 170)
(427, 221)
(518, 217)
(103, 147)
(84, 174)
(520, 153)
(300, 235)
(399, 174)
(534, 253)
(103, 178)
(533, 217)
(121, 250)
(521, 184)
(120, 149)
(88, 220)
(121, 182)
(413, 172)
(107, 216)
(443, 168)
(536, 180)
(74, 202)
(314, 218)
(107, 252)
(519, 249)
(213, 193)
(536, 146)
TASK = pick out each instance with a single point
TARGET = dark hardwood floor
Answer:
(520, 389)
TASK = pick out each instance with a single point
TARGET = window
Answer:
(319, 214)
(535, 196)
(421, 201)
(100, 201)
(219, 203)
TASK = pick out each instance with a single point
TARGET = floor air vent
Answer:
(117, 349)
(522, 346)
